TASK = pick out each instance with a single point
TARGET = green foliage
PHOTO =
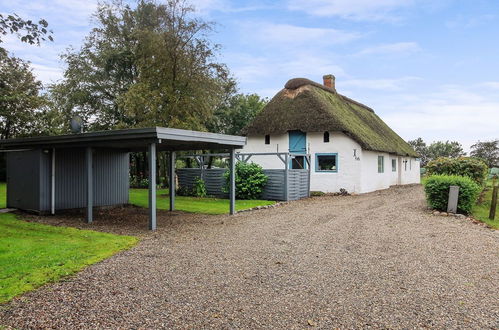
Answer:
(482, 208)
(149, 64)
(33, 254)
(236, 112)
(449, 149)
(250, 180)
(317, 193)
(199, 188)
(420, 147)
(488, 151)
(138, 182)
(494, 173)
(206, 205)
(26, 30)
(463, 166)
(437, 192)
(21, 104)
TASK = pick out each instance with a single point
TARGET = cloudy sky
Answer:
(428, 68)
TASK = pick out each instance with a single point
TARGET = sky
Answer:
(428, 68)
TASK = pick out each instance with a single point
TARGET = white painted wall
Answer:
(278, 143)
(411, 172)
(370, 178)
(356, 176)
(347, 176)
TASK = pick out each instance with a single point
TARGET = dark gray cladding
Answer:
(29, 178)
(274, 189)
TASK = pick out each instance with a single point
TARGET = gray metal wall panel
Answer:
(110, 177)
(23, 179)
(69, 179)
(45, 180)
(110, 182)
(213, 179)
(274, 190)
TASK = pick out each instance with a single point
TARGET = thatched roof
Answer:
(311, 107)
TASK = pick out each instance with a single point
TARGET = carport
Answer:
(151, 140)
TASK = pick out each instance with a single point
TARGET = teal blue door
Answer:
(297, 145)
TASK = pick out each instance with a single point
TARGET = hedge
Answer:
(474, 168)
(437, 192)
(250, 180)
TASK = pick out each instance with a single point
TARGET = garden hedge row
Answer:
(437, 192)
(463, 166)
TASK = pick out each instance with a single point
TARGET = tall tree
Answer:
(420, 147)
(20, 99)
(488, 151)
(26, 30)
(452, 149)
(237, 112)
(144, 66)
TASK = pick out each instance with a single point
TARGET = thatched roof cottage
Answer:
(350, 146)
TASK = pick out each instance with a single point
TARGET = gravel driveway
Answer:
(373, 260)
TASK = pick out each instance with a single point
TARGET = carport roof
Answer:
(170, 139)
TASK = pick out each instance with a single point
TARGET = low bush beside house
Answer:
(437, 192)
(474, 168)
(250, 180)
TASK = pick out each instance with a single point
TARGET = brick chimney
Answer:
(329, 81)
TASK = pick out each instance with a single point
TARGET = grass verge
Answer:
(208, 205)
(482, 208)
(32, 254)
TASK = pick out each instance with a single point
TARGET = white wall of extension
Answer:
(357, 169)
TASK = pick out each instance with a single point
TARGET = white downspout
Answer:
(52, 190)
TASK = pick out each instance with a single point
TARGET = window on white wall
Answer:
(405, 165)
(394, 165)
(381, 164)
(267, 139)
(326, 137)
(326, 162)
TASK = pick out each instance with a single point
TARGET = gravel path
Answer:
(373, 260)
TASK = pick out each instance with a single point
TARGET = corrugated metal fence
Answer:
(298, 185)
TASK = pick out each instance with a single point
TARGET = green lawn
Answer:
(3, 195)
(32, 254)
(207, 205)
(481, 211)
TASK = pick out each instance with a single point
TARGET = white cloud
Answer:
(351, 9)
(293, 35)
(390, 49)
(380, 84)
(206, 7)
(460, 113)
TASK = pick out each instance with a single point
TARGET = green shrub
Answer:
(463, 166)
(250, 180)
(197, 190)
(317, 193)
(437, 192)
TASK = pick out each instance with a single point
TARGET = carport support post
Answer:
(171, 169)
(152, 186)
(232, 186)
(286, 177)
(90, 189)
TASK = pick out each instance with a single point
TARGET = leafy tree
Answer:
(488, 151)
(420, 147)
(237, 112)
(26, 30)
(20, 99)
(451, 149)
(144, 66)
